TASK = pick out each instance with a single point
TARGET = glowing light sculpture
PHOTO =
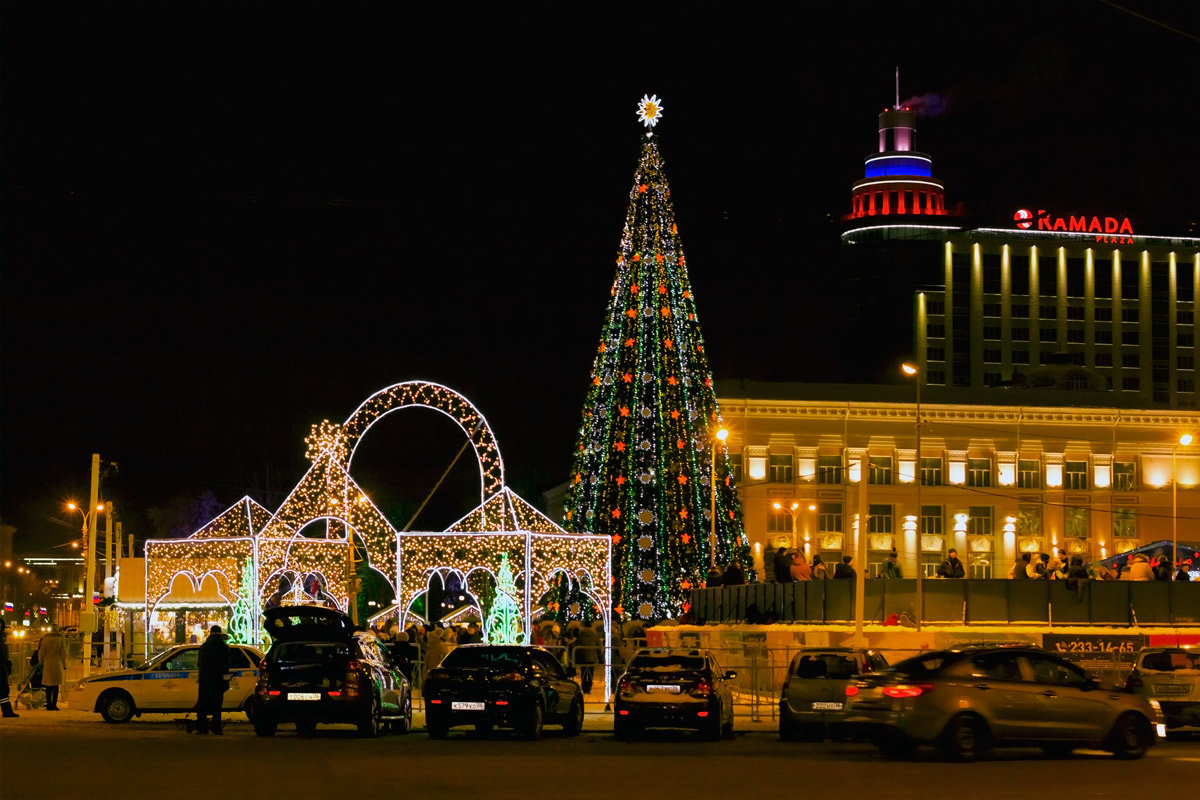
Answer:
(641, 475)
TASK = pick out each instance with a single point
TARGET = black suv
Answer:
(509, 686)
(322, 670)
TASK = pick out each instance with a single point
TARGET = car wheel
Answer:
(404, 724)
(787, 726)
(248, 708)
(623, 729)
(533, 722)
(117, 706)
(712, 731)
(1130, 736)
(727, 730)
(964, 738)
(264, 725)
(437, 727)
(371, 724)
(574, 724)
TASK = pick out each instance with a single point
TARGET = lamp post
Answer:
(915, 373)
(1184, 441)
(87, 614)
(721, 436)
(794, 509)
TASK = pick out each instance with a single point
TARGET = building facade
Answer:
(996, 480)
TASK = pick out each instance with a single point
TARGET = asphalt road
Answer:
(74, 754)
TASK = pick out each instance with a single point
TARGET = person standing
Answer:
(845, 570)
(800, 570)
(819, 571)
(951, 567)
(6, 708)
(52, 653)
(891, 569)
(212, 665)
(586, 655)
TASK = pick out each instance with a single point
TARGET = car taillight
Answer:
(263, 664)
(355, 677)
(703, 688)
(902, 690)
(625, 687)
(851, 690)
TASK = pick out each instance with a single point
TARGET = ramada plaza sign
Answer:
(1108, 230)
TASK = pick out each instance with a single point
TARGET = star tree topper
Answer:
(649, 110)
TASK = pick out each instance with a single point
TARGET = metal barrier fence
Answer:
(963, 601)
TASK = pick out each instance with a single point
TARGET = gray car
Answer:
(967, 700)
(812, 701)
(1171, 677)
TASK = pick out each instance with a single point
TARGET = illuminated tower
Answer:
(899, 180)
(647, 449)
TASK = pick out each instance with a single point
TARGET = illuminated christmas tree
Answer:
(503, 624)
(642, 466)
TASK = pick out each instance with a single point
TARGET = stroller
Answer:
(29, 689)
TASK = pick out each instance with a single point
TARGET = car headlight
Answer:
(1157, 706)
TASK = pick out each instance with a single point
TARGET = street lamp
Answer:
(1184, 441)
(915, 373)
(721, 435)
(794, 509)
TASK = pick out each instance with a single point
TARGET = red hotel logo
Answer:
(1108, 230)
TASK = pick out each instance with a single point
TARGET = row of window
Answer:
(977, 521)
(1026, 473)
(1049, 311)
(994, 333)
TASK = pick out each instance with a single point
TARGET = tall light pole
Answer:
(794, 510)
(721, 436)
(915, 373)
(1184, 441)
(87, 613)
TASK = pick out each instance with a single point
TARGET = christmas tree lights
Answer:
(643, 466)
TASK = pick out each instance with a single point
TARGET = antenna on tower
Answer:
(897, 106)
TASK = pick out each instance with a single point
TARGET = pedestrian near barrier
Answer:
(213, 664)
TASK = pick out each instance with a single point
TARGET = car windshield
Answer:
(666, 662)
(1172, 661)
(304, 652)
(923, 666)
(826, 665)
(510, 658)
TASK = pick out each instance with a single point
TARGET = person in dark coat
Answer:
(586, 655)
(734, 574)
(845, 569)
(951, 567)
(782, 566)
(212, 665)
(5, 668)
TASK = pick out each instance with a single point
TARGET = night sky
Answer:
(225, 223)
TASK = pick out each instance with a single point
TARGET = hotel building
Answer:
(1056, 353)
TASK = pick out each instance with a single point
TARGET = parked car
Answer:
(165, 684)
(967, 700)
(812, 701)
(321, 669)
(674, 688)
(1170, 675)
(502, 686)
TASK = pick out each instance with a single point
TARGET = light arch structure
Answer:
(267, 545)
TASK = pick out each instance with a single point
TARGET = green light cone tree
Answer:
(641, 471)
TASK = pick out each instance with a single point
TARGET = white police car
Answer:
(164, 684)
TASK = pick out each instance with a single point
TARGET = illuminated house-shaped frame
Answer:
(246, 549)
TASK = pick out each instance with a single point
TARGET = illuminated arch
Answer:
(438, 398)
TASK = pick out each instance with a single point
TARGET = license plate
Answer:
(825, 706)
(1172, 688)
(460, 705)
(669, 688)
(304, 695)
